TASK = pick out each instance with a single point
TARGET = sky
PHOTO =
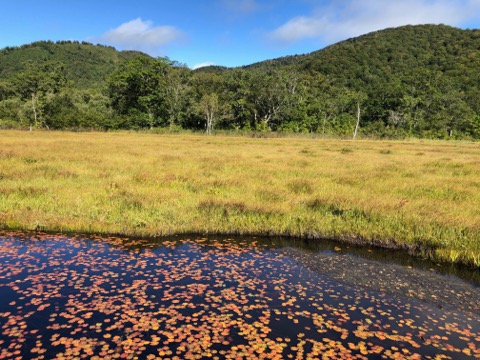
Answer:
(221, 32)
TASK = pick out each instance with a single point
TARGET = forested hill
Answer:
(421, 81)
(86, 65)
(400, 69)
(394, 52)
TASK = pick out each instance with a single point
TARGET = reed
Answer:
(414, 194)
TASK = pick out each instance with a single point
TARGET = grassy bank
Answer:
(421, 195)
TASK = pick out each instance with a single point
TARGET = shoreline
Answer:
(426, 286)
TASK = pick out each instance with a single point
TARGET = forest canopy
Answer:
(421, 81)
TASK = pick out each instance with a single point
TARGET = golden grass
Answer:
(420, 195)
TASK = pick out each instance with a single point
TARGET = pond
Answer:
(71, 297)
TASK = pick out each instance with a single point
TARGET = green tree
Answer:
(6, 90)
(138, 89)
(208, 100)
(10, 113)
(237, 91)
(177, 94)
(268, 98)
(37, 85)
(210, 108)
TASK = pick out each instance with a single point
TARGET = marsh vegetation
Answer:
(418, 195)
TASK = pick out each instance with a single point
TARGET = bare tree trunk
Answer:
(358, 121)
(150, 119)
(266, 119)
(209, 126)
(324, 123)
(209, 122)
(35, 116)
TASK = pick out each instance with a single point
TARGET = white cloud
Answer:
(204, 64)
(300, 27)
(348, 18)
(141, 35)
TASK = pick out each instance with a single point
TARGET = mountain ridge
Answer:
(43, 50)
(87, 64)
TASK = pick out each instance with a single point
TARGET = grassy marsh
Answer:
(420, 195)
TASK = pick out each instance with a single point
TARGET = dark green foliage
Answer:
(211, 69)
(152, 92)
(421, 81)
(86, 65)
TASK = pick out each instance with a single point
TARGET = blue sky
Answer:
(221, 32)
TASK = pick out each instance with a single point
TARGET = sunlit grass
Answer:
(420, 195)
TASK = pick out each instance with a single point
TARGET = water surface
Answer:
(75, 297)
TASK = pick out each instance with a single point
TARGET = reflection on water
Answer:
(72, 297)
(400, 257)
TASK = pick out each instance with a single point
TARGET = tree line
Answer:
(408, 82)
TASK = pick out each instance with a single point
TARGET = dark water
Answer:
(389, 256)
(63, 297)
